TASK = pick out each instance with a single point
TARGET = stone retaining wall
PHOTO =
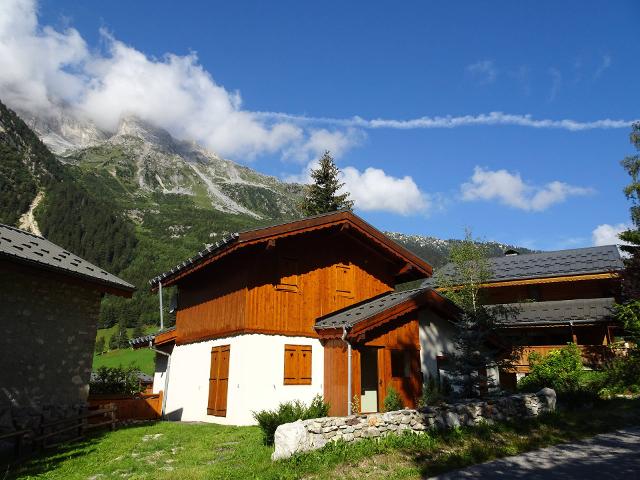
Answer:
(312, 434)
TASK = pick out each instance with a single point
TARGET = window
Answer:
(288, 274)
(219, 381)
(400, 364)
(297, 364)
(344, 280)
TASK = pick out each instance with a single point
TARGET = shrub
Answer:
(115, 380)
(270, 420)
(392, 401)
(432, 393)
(561, 370)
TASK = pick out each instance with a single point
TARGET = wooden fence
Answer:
(144, 406)
(50, 434)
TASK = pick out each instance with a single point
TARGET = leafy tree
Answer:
(477, 322)
(631, 276)
(100, 345)
(322, 195)
(116, 380)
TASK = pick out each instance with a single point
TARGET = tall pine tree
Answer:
(322, 195)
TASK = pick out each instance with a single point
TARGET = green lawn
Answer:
(142, 359)
(166, 450)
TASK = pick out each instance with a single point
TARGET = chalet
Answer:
(49, 305)
(295, 310)
(559, 297)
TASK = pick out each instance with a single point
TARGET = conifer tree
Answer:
(631, 276)
(122, 336)
(100, 345)
(322, 195)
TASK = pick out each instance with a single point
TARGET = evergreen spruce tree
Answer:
(322, 195)
(100, 345)
(138, 330)
(113, 342)
(121, 336)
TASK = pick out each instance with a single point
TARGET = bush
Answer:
(270, 420)
(392, 401)
(561, 370)
(432, 393)
(115, 380)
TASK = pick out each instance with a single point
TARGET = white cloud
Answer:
(319, 140)
(373, 190)
(41, 68)
(607, 234)
(509, 189)
(605, 63)
(484, 70)
(483, 119)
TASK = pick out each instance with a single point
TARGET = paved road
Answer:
(608, 456)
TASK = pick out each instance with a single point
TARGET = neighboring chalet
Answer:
(49, 306)
(559, 297)
(261, 319)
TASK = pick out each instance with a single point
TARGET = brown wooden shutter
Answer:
(344, 280)
(297, 365)
(304, 365)
(219, 381)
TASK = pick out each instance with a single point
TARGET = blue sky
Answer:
(396, 61)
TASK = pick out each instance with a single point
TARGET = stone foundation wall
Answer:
(312, 434)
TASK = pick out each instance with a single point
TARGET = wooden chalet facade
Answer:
(251, 316)
(558, 297)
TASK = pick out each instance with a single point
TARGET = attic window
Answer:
(288, 274)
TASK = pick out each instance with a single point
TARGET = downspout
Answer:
(349, 395)
(166, 377)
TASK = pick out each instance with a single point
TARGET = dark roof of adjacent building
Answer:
(148, 339)
(560, 263)
(350, 316)
(559, 312)
(419, 267)
(27, 248)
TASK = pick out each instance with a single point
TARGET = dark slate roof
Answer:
(350, 316)
(212, 249)
(561, 312)
(20, 246)
(577, 261)
(144, 340)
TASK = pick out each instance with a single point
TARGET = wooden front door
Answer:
(219, 381)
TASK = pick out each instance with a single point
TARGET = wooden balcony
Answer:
(593, 356)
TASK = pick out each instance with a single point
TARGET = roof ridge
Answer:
(16, 229)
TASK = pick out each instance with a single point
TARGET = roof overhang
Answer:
(64, 275)
(427, 297)
(411, 267)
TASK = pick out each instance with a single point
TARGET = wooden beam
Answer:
(544, 280)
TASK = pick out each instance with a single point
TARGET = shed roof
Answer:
(27, 248)
(561, 312)
(560, 263)
(342, 219)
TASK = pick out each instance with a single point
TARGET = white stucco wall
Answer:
(256, 377)
(436, 338)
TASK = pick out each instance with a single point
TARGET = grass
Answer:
(167, 450)
(142, 358)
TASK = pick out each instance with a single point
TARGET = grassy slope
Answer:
(198, 451)
(142, 358)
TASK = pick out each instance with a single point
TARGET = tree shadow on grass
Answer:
(49, 459)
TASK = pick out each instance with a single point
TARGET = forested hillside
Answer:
(137, 202)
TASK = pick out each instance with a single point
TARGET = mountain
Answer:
(137, 201)
(436, 251)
